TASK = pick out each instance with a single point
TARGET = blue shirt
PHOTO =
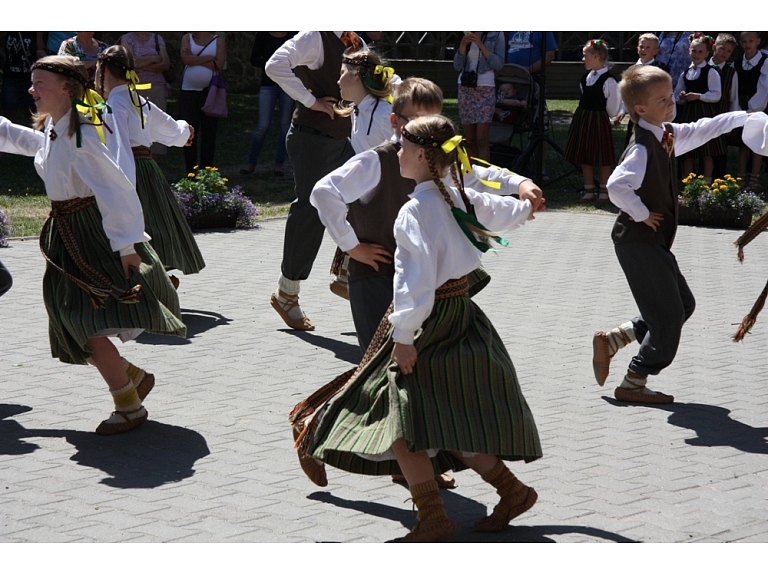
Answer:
(524, 48)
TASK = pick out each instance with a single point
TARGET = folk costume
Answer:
(95, 218)
(705, 80)
(729, 102)
(646, 181)
(590, 141)
(463, 394)
(359, 202)
(135, 124)
(307, 67)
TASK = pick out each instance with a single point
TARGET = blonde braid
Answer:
(432, 164)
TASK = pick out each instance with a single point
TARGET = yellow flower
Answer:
(208, 168)
(224, 180)
(700, 177)
(723, 188)
(191, 175)
(194, 168)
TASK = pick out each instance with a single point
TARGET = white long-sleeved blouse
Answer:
(70, 172)
(358, 178)
(432, 248)
(125, 123)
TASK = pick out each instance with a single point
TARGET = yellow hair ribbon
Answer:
(385, 71)
(92, 103)
(455, 143)
(133, 80)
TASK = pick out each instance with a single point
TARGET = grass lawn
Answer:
(22, 194)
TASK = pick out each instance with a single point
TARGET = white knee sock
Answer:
(289, 288)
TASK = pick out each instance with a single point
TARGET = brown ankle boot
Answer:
(434, 525)
(516, 498)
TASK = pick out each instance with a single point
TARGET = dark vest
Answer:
(373, 222)
(660, 65)
(322, 82)
(592, 97)
(658, 192)
(727, 73)
(701, 84)
(748, 80)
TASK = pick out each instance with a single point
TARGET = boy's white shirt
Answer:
(358, 178)
(629, 174)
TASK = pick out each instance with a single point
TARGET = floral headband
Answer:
(61, 70)
(708, 39)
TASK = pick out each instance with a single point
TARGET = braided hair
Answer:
(431, 132)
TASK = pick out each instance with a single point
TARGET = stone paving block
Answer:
(217, 458)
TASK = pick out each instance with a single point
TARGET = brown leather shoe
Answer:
(127, 424)
(301, 324)
(630, 396)
(429, 531)
(503, 513)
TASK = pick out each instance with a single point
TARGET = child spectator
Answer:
(725, 44)
(590, 142)
(752, 70)
(508, 103)
(647, 49)
(644, 187)
(698, 92)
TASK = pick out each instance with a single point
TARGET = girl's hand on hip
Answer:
(405, 357)
(130, 261)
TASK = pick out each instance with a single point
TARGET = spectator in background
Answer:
(15, 101)
(201, 53)
(674, 51)
(85, 48)
(51, 42)
(264, 45)
(479, 54)
(151, 58)
(524, 49)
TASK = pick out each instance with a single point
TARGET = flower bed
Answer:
(723, 203)
(207, 202)
(5, 229)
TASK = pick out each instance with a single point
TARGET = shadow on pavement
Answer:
(712, 425)
(458, 507)
(344, 351)
(197, 322)
(149, 456)
(12, 433)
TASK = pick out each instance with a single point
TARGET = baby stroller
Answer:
(512, 122)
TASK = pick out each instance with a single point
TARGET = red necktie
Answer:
(668, 142)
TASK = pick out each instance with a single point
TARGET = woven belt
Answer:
(141, 153)
(99, 287)
(453, 288)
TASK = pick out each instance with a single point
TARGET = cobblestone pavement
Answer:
(215, 462)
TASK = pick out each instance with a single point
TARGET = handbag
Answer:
(170, 73)
(216, 101)
(469, 77)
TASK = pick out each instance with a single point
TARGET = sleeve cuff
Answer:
(403, 336)
(127, 251)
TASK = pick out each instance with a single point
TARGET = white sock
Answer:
(289, 288)
(617, 339)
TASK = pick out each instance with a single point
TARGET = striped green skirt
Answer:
(164, 221)
(71, 319)
(463, 395)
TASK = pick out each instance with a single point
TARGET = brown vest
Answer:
(374, 221)
(658, 192)
(322, 82)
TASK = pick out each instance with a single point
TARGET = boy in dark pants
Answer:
(644, 187)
